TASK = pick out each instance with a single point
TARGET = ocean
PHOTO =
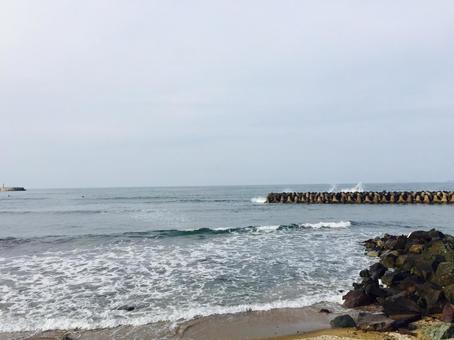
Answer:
(94, 258)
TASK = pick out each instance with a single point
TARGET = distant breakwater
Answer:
(3, 188)
(367, 197)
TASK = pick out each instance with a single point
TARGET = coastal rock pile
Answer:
(369, 197)
(413, 278)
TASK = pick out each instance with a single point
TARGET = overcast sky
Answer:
(119, 93)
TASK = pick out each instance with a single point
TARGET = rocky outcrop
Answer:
(413, 278)
(369, 197)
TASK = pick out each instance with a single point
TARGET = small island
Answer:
(3, 188)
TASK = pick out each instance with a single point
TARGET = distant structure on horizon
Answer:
(3, 188)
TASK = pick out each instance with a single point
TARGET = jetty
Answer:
(3, 188)
(366, 197)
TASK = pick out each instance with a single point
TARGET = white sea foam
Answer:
(267, 228)
(258, 199)
(171, 281)
(275, 227)
(334, 225)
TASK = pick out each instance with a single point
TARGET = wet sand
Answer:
(276, 324)
(245, 325)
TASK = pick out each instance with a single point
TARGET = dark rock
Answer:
(416, 248)
(357, 298)
(435, 234)
(388, 258)
(430, 297)
(400, 261)
(343, 321)
(377, 270)
(422, 268)
(373, 289)
(324, 310)
(400, 305)
(444, 275)
(449, 292)
(447, 314)
(404, 322)
(364, 273)
(420, 236)
(392, 276)
(408, 284)
(417, 273)
(401, 242)
(435, 248)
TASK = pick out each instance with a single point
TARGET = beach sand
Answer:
(276, 324)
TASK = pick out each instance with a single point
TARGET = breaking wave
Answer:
(168, 233)
(356, 188)
(259, 199)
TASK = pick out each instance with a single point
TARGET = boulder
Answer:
(343, 321)
(388, 258)
(357, 298)
(374, 290)
(435, 248)
(444, 276)
(416, 248)
(393, 276)
(447, 315)
(377, 270)
(400, 260)
(422, 269)
(420, 236)
(439, 331)
(400, 306)
(435, 234)
(430, 297)
(364, 273)
(448, 292)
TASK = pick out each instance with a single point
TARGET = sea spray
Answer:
(258, 199)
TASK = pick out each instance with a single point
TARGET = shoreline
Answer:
(265, 324)
(309, 322)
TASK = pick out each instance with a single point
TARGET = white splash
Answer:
(334, 225)
(268, 228)
(259, 199)
(333, 188)
(357, 188)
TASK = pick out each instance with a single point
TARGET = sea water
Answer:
(94, 258)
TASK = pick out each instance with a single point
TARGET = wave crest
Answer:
(258, 199)
(166, 233)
